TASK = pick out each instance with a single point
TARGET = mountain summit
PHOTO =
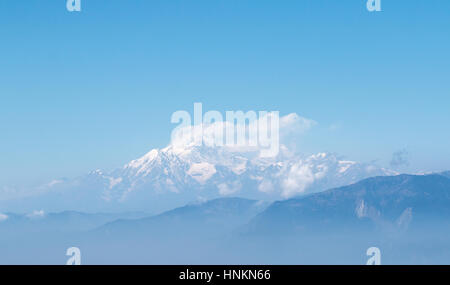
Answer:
(170, 177)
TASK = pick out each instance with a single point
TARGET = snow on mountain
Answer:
(284, 176)
(174, 176)
(189, 170)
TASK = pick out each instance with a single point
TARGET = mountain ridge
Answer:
(171, 177)
(383, 202)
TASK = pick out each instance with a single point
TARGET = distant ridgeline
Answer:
(405, 217)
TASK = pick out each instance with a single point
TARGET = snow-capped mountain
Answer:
(172, 176)
(220, 172)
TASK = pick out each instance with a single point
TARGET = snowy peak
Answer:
(216, 172)
(173, 176)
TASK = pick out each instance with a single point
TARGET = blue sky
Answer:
(95, 89)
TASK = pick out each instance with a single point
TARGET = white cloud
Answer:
(36, 214)
(228, 189)
(214, 134)
(299, 178)
(266, 186)
(293, 123)
(3, 217)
